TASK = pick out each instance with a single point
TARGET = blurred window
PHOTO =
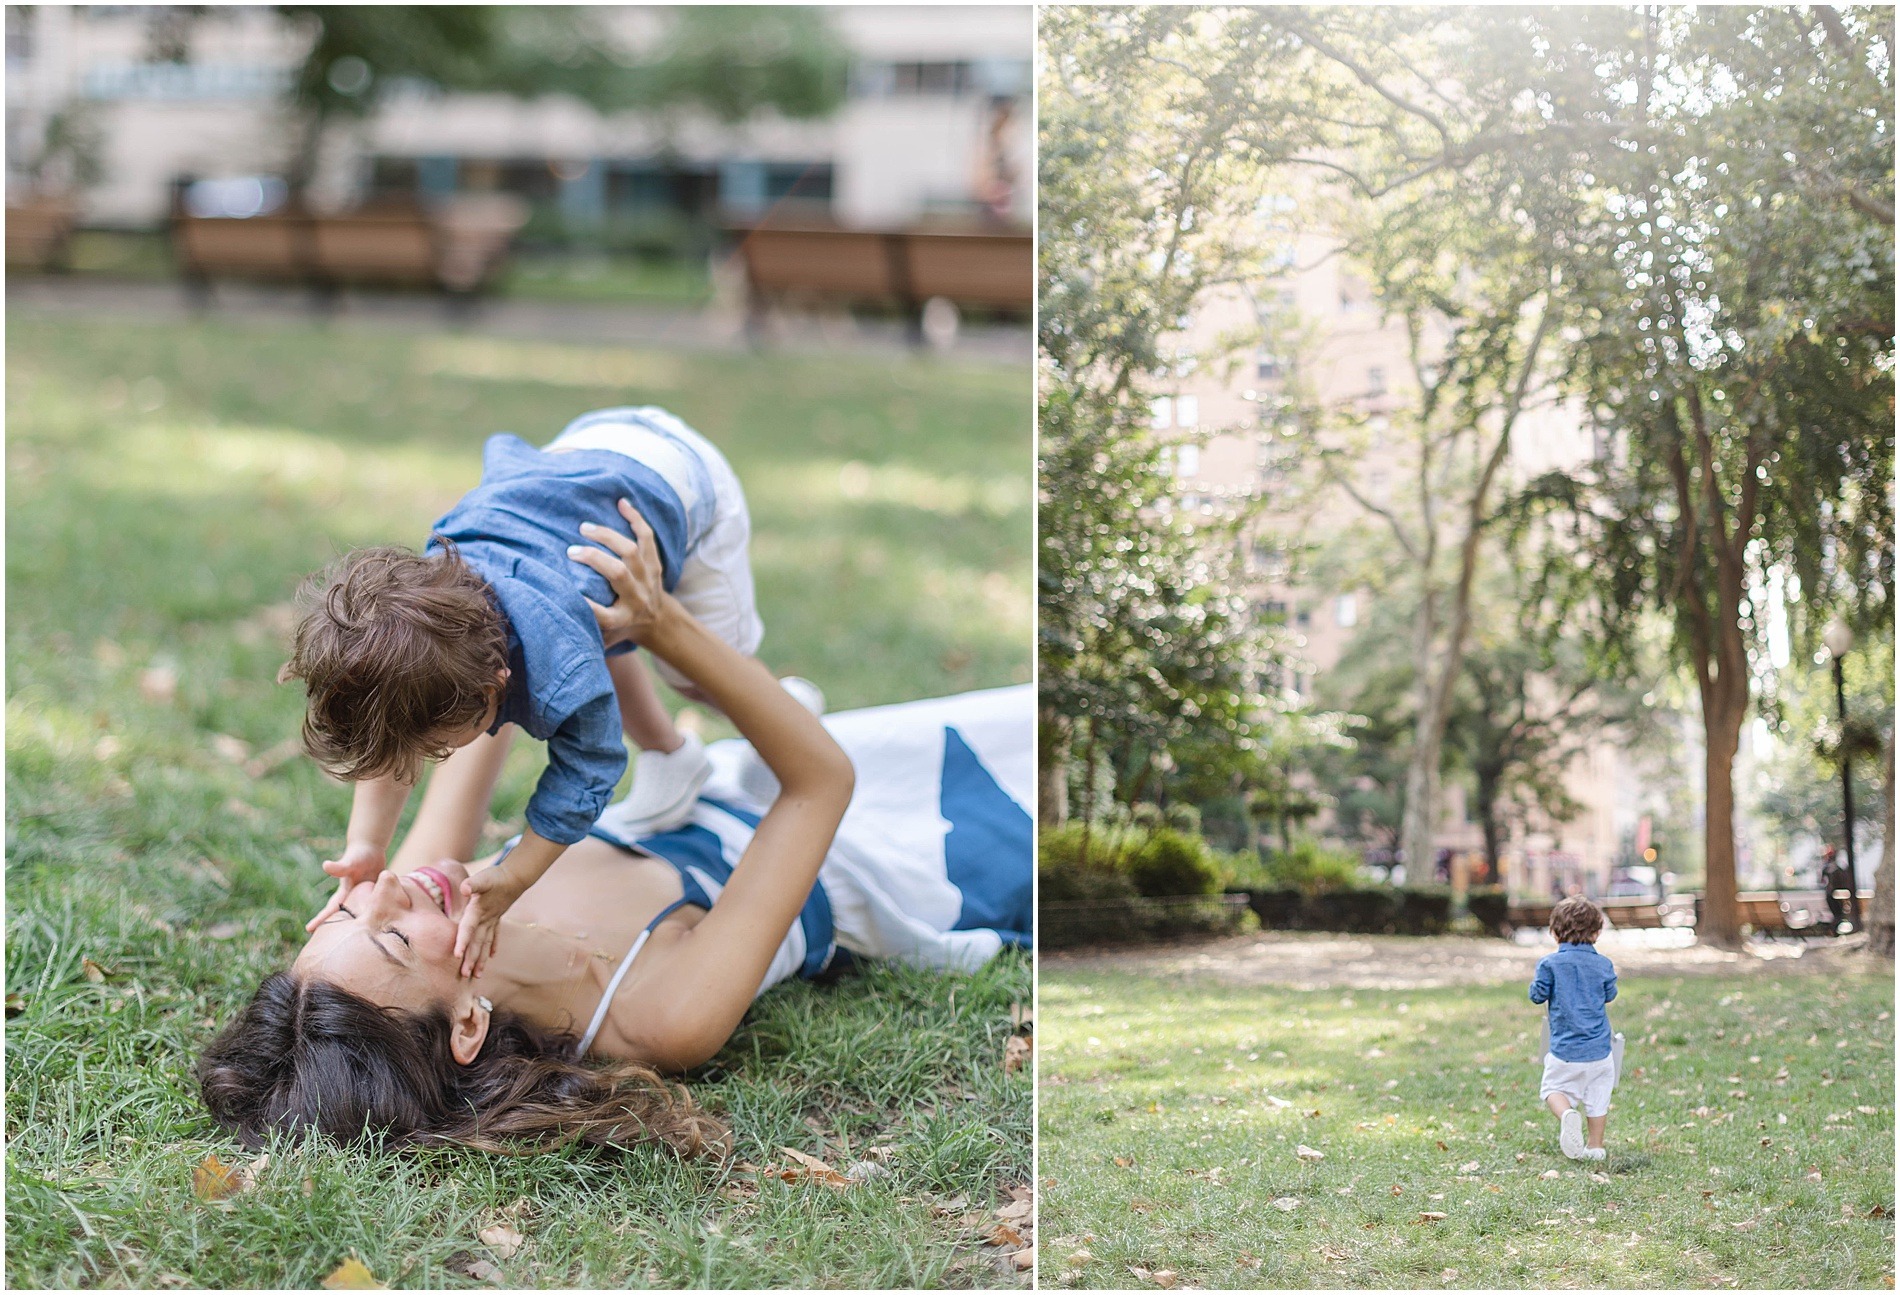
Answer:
(945, 78)
(1345, 611)
(20, 19)
(1187, 460)
(1375, 381)
(1162, 414)
(1187, 413)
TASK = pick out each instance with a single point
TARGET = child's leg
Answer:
(455, 804)
(1596, 1123)
(643, 717)
(1558, 1104)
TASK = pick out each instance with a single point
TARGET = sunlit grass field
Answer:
(167, 487)
(1751, 1140)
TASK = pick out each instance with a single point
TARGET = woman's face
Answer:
(393, 942)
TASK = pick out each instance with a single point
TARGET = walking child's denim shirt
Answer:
(1577, 982)
(514, 530)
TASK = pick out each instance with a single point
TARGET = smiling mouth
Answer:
(436, 886)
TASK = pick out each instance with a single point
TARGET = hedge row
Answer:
(1372, 910)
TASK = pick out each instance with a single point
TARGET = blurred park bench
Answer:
(38, 233)
(819, 263)
(457, 247)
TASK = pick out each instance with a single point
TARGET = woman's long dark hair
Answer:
(306, 1054)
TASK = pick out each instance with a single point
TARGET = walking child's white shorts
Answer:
(1587, 1084)
(715, 581)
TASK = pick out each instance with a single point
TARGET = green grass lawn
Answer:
(1751, 1140)
(168, 485)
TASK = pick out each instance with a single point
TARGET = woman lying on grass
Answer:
(643, 955)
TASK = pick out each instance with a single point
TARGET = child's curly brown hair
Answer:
(1576, 921)
(395, 649)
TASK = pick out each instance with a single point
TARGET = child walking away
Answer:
(411, 657)
(1580, 1069)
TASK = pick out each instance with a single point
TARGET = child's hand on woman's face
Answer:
(634, 572)
(359, 862)
(490, 892)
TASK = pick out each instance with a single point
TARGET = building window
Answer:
(1187, 460)
(1302, 618)
(1375, 381)
(1162, 415)
(1270, 611)
(1346, 611)
(1187, 411)
(1268, 367)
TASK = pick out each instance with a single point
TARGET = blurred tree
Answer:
(1144, 639)
(1748, 390)
(726, 61)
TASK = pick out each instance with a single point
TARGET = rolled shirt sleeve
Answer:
(586, 756)
(1541, 983)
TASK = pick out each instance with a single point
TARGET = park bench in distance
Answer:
(39, 230)
(458, 247)
(821, 263)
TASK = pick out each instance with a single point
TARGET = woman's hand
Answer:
(634, 572)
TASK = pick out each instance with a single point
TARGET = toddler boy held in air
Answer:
(1580, 1068)
(408, 657)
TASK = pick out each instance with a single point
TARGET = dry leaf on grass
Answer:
(1166, 1278)
(213, 1180)
(1005, 1235)
(502, 1239)
(1286, 1203)
(1020, 1017)
(1430, 1216)
(94, 972)
(352, 1275)
(15, 1005)
(810, 1168)
(1309, 1154)
(1015, 1054)
(480, 1270)
(159, 683)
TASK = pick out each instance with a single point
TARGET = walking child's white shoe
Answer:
(1594, 1153)
(805, 693)
(665, 787)
(1570, 1134)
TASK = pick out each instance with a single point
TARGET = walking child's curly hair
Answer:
(396, 650)
(1576, 921)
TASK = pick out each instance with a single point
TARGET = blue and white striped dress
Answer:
(933, 863)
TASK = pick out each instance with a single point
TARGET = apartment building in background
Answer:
(927, 87)
(1349, 354)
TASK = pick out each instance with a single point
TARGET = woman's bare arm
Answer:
(455, 806)
(719, 964)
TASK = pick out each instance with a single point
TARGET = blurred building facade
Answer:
(1331, 329)
(930, 89)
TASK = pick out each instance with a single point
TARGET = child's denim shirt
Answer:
(1577, 982)
(514, 529)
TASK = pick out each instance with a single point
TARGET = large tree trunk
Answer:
(1724, 705)
(1052, 769)
(1488, 817)
(1880, 917)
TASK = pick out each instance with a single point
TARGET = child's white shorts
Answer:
(715, 582)
(1587, 1084)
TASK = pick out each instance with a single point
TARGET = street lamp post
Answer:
(1839, 639)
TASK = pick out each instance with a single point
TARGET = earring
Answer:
(485, 1005)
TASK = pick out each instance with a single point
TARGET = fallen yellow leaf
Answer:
(352, 1275)
(213, 1180)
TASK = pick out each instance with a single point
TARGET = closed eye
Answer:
(341, 912)
(390, 930)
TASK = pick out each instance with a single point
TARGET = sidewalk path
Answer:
(1319, 960)
(593, 323)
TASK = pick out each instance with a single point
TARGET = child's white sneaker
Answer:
(1570, 1134)
(1594, 1153)
(665, 786)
